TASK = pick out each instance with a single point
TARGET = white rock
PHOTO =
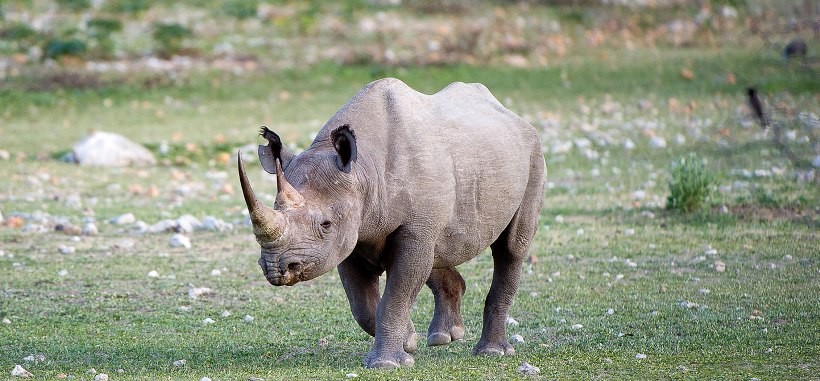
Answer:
(90, 229)
(688, 304)
(579, 232)
(187, 223)
(559, 218)
(19, 371)
(517, 339)
(512, 321)
(248, 318)
(720, 266)
(6, 321)
(629, 232)
(101, 377)
(65, 249)
(179, 362)
(225, 313)
(610, 311)
(629, 145)
(153, 274)
(657, 142)
(125, 219)
(91, 371)
(179, 240)
(216, 272)
(576, 327)
(205, 379)
(640, 356)
(4, 155)
(816, 162)
(214, 224)
(528, 370)
(196, 292)
(184, 308)
(351, 375)
(62, 272)
(704, 291)
(111, 150)
(638, 195)
(208, 321)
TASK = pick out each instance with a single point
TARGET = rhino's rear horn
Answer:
(268, 224)
(286, 196)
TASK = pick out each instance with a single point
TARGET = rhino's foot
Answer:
(443, 338)
(411, 343)
(494, 349)
(390, 361)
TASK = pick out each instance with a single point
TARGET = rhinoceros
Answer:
(412, 185)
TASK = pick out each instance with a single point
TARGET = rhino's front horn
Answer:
(268, 224)
(287, 197)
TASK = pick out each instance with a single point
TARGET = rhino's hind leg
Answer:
(448, 287)
(361, 283)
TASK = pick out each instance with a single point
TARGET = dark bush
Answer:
(240, 9)
(74, 5)
(100, 31)
(56, 48)
(169, 38)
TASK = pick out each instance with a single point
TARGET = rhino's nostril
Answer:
(295, 267)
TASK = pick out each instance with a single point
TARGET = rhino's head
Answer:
(308, 232)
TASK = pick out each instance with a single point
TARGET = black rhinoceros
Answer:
(414, 185)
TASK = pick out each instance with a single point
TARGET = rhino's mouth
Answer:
(289, 275)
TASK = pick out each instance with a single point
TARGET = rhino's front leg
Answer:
(361, 283)
(407, 271)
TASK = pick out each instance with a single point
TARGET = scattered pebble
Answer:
(704, 291)
(180, 362)
(579, 232)
(528, 370)
(322, 342)
(629, 232)
(184, 308)
(640, 356)
(576, 327)
(205, 379)
(153, 274)
(225, 313)
(608, 360)
(657, 142)
(768, 350)
(512, 321)
(6, 321)
(101, 377)
(688, 304)
(216, 272)
(65, 249)
(720, 266)
(196, 292)
(517, 339)
(179, 240)
(90, 229)
(351, 375)
(125, 219)
(610, 311)
(248, 318)
(208, 321)
(91, 371)
(62, 272)
(19, 371)
(35, 358)
(559, 219)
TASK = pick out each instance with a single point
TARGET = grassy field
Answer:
(727, 292)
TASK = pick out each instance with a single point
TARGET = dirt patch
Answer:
(751, 212)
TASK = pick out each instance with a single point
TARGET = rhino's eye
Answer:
(326, 224)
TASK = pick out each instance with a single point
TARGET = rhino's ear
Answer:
(274, 150)
(344, 142)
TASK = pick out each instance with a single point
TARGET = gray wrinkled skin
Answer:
(420, 184)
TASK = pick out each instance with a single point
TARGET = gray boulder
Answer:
(107, 149)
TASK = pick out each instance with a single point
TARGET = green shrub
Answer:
(169, 38)
(19, 32)
(128, 6)
(74, 5)
(240, 9)
(57, 47)
(690, 184)
(100, 31)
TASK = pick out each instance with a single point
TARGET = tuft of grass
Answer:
(690, 184)
(170, 38)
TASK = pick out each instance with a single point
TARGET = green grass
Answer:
(107, 314)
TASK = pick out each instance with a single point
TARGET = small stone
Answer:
(101, 377)
(579, 232)
(710, 251)
(184, 308)
(248, 318)
(208, 321)
(640, 356)
(688, 304)
(216, 272)
(720, 266)
(6, 321)
(153, 274)
(629, 232)
(657, 142)
(322, 342)
(196, 292)
(517, 339)
(205, 379)
(512, 321)
(19, 371)
(225, 313)
(91, 371)
(179, 362)
(351, 375)
(124, 219)
(610, 311)
(62, 272)
(608, 360)
(90, 229)
(179, 240)
(559, 218)
(768, 350)
(65, 249)
(576, 327)
(704, 291)
(61, 375)
(528, 370)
